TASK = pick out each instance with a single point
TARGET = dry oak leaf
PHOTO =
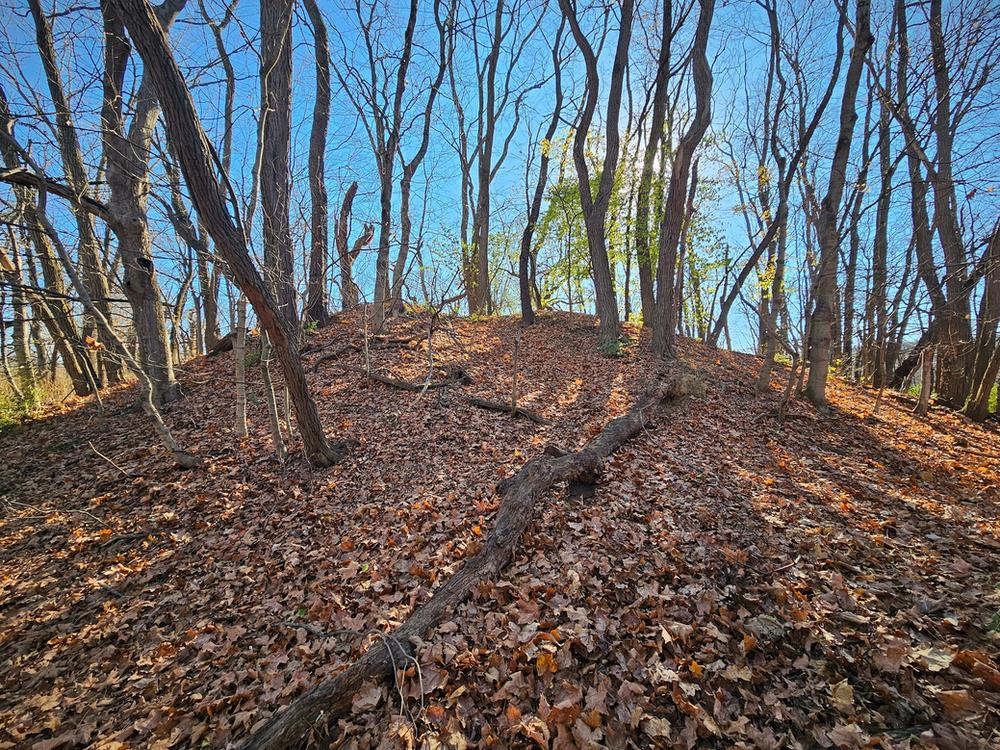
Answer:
(934, 659)
(842, 696)
(367, 698)
(957, 703)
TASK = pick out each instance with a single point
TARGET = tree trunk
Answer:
(821, 324)
(534, 210)
(188, 140)
(53, 308)
(880, 250)
(127, 158)
(317, 307)
(410, 167)
(347, 255)
(983, 375)
(348, 289)
(92, 268)
(642, 213)
(672, 220)
(275, 169)
(955, 360)
(595, 206)
(386, 158)
(24, 371)
(195, 239)
(240, 357)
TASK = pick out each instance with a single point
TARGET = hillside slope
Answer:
(732, 581)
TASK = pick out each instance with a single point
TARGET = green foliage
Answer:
(252, 357)
(16, 409)
(614, 349)
(994, 625)
(992, 409)
(12, 411)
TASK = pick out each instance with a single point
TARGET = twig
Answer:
(55, 510)
(126, 474)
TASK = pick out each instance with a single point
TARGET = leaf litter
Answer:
(732, 581)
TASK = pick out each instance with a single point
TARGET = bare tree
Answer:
(535, 207)
(654, 144)
(822, 315)
(445, 27)
(199, 165)
(317, 306)
(347, 255)
(595, 204)
(126, 152)
(672, 221)
(51, 304)
(92, 268)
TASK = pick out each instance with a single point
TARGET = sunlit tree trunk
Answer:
(595, 205)
(821, 323)
(317, 307)
(672, 220)
(127, 156)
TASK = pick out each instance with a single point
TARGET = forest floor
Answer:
(735, 581)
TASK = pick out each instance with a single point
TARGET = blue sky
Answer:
(738, 49)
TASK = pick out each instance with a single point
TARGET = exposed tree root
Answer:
(331, 699)
(377, 342)
(335, 354)
(453, 374)
(499, 406)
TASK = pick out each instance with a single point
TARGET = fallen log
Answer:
(332, 699)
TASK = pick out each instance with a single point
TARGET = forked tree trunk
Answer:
(672, 221)
(410, 167)
(983, 376)
(349, 292)
(127, 156)
(595, 205)
(644, 203)
(386, 159)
